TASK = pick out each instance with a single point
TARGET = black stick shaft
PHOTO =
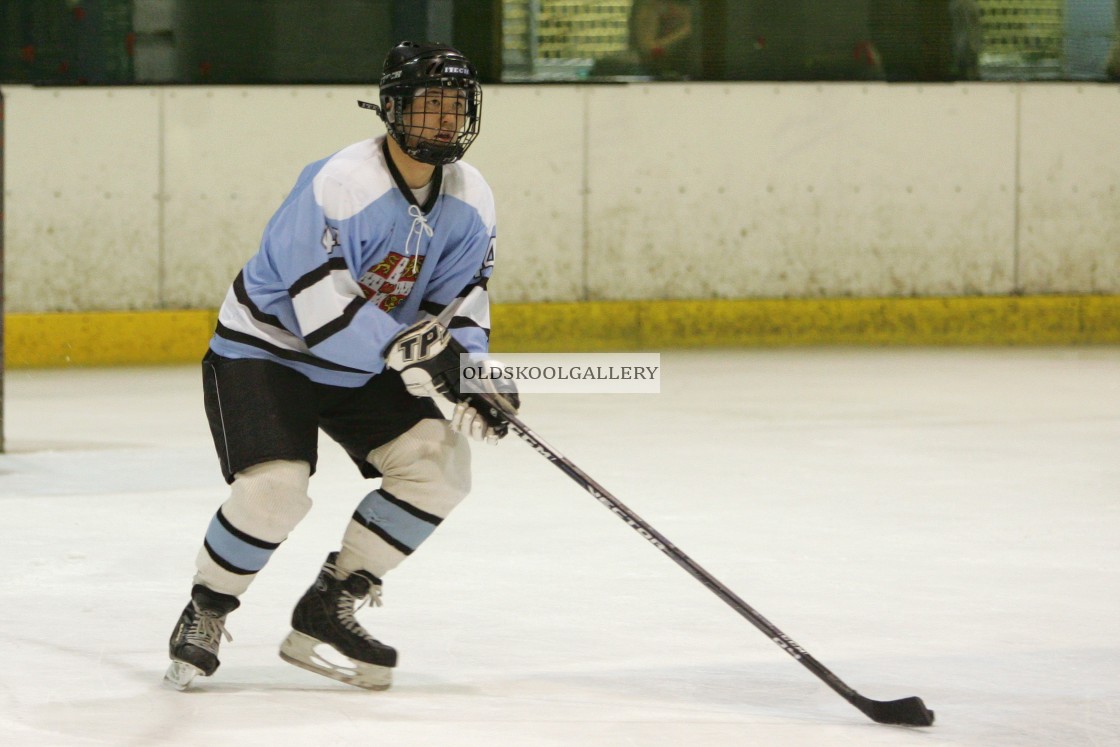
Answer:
(909, 711)
(662, 543)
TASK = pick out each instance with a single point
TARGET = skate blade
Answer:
(299, 649)
(180, 675)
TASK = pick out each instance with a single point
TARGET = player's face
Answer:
(437, 115)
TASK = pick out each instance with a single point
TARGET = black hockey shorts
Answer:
(260, 411)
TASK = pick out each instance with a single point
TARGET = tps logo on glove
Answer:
(424, 343)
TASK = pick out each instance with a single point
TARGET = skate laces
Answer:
(207, 629)
(349, 603)
(372, 599)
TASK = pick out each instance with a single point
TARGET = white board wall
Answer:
(145, 198)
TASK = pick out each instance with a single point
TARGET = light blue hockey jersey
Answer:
(349, 260)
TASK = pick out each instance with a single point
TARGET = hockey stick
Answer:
(908, 711)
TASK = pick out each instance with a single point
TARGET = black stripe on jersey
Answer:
(243, 298)
(382, 534)
(409, 508)
(225, 563)
(320, 272)
(246, 538)
(431, 307)
(435, 308)
(341, 322)
(462, 321)
(289, 355)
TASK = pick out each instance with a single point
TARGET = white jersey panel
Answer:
(323, 302)
(237, 316)
(352, 179)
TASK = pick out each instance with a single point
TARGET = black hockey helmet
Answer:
(412, 68)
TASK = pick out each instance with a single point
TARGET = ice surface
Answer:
(942, 523)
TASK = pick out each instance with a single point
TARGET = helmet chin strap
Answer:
(435, 155)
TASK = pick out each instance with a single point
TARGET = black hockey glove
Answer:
(427, 357)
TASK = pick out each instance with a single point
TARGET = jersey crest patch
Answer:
(389, 282)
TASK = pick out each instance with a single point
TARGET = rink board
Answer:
(153, 337)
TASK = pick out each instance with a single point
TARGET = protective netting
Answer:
(343, 41)
(810, 39)
(66, 42)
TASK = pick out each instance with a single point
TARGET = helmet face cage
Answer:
(432, 103)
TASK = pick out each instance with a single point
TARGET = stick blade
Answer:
(907, 711)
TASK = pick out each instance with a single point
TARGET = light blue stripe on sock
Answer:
(405, 528)
(235, 551)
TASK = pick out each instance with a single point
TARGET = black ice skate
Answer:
(194, 642)
(324, 620)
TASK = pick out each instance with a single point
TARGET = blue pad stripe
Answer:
(232, 547)
(405, 526)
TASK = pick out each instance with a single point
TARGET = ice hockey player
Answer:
(335, 323)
